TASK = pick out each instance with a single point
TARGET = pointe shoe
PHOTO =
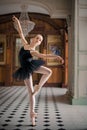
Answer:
(33, 115)
(36, 89)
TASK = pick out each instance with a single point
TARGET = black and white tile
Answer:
(50, 103)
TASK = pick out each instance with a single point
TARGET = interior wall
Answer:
(80, 55)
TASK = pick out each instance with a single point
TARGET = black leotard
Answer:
(27, 65)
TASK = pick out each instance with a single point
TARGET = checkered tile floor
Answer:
(14, 109)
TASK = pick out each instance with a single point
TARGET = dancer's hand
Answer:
(15, 19)
(60, 59)
(17, 24)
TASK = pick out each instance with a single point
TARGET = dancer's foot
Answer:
(36, 89)
(33, 115)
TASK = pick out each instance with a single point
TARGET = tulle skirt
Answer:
(26, 69)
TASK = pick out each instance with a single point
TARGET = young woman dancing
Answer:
(30, 65)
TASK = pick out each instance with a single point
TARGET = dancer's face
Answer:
(37, 39)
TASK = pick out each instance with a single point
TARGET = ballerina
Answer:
(30, 65)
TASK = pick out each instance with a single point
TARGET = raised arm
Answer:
(19, 29)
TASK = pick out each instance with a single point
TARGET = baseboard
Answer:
(79, 101)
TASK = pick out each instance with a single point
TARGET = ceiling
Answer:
(54, 8)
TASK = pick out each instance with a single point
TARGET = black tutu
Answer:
(27, 65)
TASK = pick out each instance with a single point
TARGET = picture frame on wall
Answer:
(54, 47)
(2, 49)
